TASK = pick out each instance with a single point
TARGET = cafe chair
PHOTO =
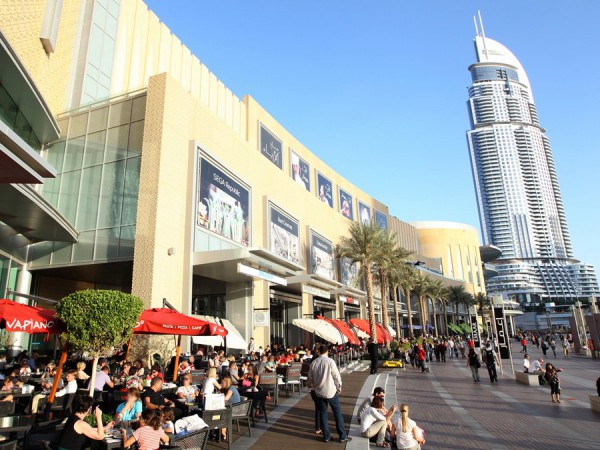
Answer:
(195, 440)
(217, 419)
(7, 408)
(9, 445)
(43, 431)
(241, 411)
(292, 379)
(47, 445)
(269, 383)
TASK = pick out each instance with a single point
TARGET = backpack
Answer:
(489, 357)
(474, 361)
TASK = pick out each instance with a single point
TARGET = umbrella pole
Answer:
(177, 352)
(59, 371)
(128, 347)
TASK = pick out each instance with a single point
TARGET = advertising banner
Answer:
(381, 220)
(271, 147)
(223, 204)
(348, 272)
(321, 251)
(300, 170)
(364, 213)
(324, 190)
(346, 205)
(284, 236)
(501, 330)
(475, 331)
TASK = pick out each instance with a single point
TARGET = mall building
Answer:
(126, 164)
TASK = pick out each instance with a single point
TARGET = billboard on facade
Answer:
(348, 272)
(223, 203)
(381, 220)
(271, 147)
(284, 236)
(364, 213)
(324, 189)
(346, 207)
(321, 253)
(300, 170)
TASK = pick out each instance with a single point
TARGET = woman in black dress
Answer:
(77, 431)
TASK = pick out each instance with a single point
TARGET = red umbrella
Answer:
(168, 321)
(17, 317)
(363, 325)
(344, 329)
(387, 337)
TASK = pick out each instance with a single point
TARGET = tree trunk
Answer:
(422, 314)
(435, 326)
(93, 377)
(371, 308)
(456, 313)
(396, 314)
(385, 317)
(409, 312)
(445, 308)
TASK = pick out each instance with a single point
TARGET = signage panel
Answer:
(475, 331)
(321, 251)
(257, 273)
(502, 331)
(271, 147)
(284, 237)
(324, 189)
(346, 208)
(300, 170)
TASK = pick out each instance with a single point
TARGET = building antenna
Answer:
(476, 27)
(482, 33)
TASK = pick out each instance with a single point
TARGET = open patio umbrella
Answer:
(17, 317)
(392, 331)
(363, 325)
(233, 340)
(170, 322)
(344, 328)
(323, 329)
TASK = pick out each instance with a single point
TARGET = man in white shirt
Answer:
(537, 366)
(70, 388)
(325, 379)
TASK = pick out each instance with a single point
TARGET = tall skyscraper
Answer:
(520, 206)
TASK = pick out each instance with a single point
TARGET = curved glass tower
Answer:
(520, 205)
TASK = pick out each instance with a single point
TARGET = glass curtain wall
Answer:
(96, 189)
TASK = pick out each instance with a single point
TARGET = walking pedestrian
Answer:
(373, 349)
(523, 344)
(565, 344)
(491, 358)
(474, 365)
(553, 346)
(421, 357)
(554, 382)
(544, 347)
(324, 377)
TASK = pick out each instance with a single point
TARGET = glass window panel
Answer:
(98, 119)
(56, 155)
(95, 46)
(127, 242)
(41, 254)
(78, 125)
(88, 198)
(130, 194)
(67, 199)
(74, 154)
(107, 244)
(138, 110)
(116, 143)
(62, 253)
(84, 249)
(94, 149)
(111, 194)
(8, 108)
(51, 189)
(120, 113)
(136, 135)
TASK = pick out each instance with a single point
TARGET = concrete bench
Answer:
(527, 378)
(595, 402)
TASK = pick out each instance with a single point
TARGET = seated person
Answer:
(103, 379)
(408, 435)
(537, 367)
(154, 400)
(271, 365)
(7, 386)
(233, 373)
(138, 368)
(232, 395)
(150, 433)
(70, 388)
(375, 421)
(167, 418)
(77, 431)
(81, 375)
(377, 392)
(184, 367)
(25, 370)
(223, 365)
(264, 359)
(210, 384)
(187, 392)
(155, 372)
(131, 408)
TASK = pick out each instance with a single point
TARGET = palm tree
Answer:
(443, 297)
(361, 246)
(384, 262)
(482, 301)
(436, 293)
(395, 278)
(407, 281)
(458, 296)
(422, 289)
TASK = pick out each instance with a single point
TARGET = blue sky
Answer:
(378, 89)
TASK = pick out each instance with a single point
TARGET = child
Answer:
(167, 420)
(149, 434)
(526, 363)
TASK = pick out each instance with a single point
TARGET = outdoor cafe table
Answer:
(15, 424)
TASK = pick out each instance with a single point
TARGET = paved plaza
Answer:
(455, 412)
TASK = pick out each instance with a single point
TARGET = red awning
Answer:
(17, 317)
(344, 329)
(363, 325)
(168, 321)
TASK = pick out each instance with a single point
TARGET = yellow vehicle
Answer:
(393, 363)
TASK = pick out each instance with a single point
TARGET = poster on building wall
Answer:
(348, 272)
(346, 204)
(364, 213)
(284, 236)
(324, 189)
(321, 252)
(223, 204)
(271, 147)
(381, 220)
(300, 170)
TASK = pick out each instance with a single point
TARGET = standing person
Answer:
(474, 365)
(408, 435)
(491, 359)
(523, 344)
(421, 356)
(317, 404)
(565, 344)
(526, 363)
(553, 346)
(544, 347)
(451, 347)
(251, 345)
(554, 382)
(373, 349)
(325, 378)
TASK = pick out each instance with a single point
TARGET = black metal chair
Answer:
(269, 382)
(7, 408)
(241, 411)
(43, 431)
(195, 440)
(217, 419)
(9, 445)
(47, 445)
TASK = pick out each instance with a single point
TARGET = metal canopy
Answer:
(19, 163)
(28, 213)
